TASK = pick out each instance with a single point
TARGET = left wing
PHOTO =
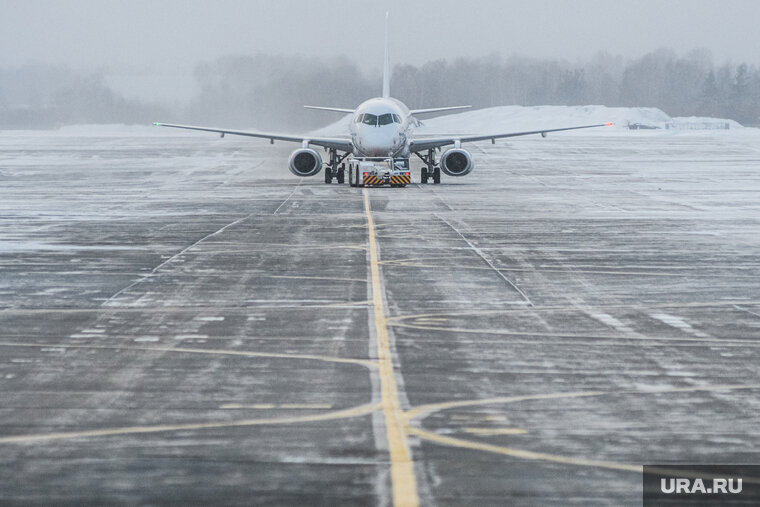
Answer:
(436, 142)
(335, 109)
(337, 143)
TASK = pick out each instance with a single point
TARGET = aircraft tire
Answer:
(424, 175)
(437, 175)
(341, 176)
(328, 175)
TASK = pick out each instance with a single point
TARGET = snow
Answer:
(103, 130)
(702, 123)
(510, 118)
(478, 121)
(516, 118)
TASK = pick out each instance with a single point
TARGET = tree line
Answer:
(47, 96)
(689, 85)
(267, 92)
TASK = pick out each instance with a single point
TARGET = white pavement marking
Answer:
(289, 196)
(487, 261)
(678, 323)
(107, 302)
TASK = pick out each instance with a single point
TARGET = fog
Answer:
(253, 63)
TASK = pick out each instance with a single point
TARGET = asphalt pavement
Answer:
(182, 321)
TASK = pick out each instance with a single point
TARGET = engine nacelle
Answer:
(456, 162)
(305, 162)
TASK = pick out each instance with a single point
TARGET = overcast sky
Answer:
(175, 34)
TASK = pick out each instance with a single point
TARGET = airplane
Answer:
(381, 128)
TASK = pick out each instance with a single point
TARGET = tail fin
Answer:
(386, 64)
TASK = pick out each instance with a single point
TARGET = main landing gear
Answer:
(335, 169)
(430, 170)
(338, 174)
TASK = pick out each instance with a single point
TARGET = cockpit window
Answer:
(358, 118)
(385, 119)
(369, 119)
(396, 118)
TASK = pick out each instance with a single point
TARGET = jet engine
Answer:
(305, 162)
(456, 162)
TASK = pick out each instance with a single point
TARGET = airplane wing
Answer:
(436, 142)
(335, 109)
(337, 143)
(437, 109)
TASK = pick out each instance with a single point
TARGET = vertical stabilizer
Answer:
(386, 64)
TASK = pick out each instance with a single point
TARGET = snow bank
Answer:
(512, 118)
(509, 118)
(99, 130)
(702, 123)
(479, 121)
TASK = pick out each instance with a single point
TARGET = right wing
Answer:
(436, 142)
(336, 143)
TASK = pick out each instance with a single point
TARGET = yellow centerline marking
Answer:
(213, 352)
(329, 278)
(517, 453)
(273, 406)
(494, 431)
(423, 411)
(133, 430)
(540, 456)
(403, 481)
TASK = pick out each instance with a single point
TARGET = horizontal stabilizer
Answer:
(336, 109)
(437, 109)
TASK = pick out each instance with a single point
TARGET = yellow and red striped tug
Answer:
(375, 172)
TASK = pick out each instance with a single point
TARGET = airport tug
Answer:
(376, 172)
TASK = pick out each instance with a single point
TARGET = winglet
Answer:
(386, 64)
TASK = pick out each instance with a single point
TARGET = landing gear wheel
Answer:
(328, 175)
(437, 175)
(351, 178)
(424, 175)
(341, 174)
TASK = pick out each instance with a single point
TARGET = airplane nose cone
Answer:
(375, 145)
(377, 150)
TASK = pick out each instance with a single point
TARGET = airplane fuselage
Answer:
(380, 127)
